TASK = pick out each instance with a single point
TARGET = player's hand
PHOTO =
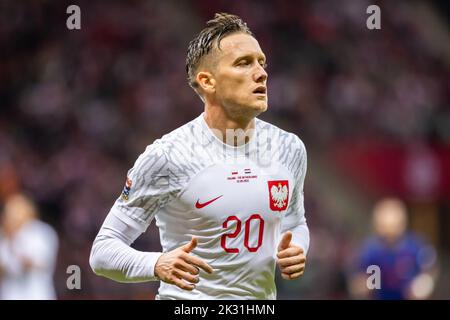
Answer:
(291, 258)
(180, 268)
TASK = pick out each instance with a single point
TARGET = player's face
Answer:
(390, 221)
(241, 78)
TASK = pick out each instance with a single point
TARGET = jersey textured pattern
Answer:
(236, 200)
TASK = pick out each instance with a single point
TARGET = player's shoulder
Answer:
(158, 155)
(414, 240)
(182, 134)
(282, 137)
(177, 136)
(176, 139)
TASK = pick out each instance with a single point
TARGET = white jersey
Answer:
(36, 242)
(237, 201)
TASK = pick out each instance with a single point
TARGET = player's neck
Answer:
(227, 129)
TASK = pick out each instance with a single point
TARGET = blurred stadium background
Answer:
(372, 106)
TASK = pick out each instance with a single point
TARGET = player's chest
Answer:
(242, 190)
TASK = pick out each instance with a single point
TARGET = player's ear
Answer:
(206, 81)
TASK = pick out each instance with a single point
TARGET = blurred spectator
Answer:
(28, 250)
(405, 261)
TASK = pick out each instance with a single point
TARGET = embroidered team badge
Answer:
(278, 194)
(126, 189)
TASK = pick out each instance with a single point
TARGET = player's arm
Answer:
(14, 265)
(150, 185)
(294, 244)
(357, 280)
(423, 284)
(41, 250)
(113, 257)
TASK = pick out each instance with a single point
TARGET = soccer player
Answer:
(28, 252)
(226, 189)
(406, 262)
